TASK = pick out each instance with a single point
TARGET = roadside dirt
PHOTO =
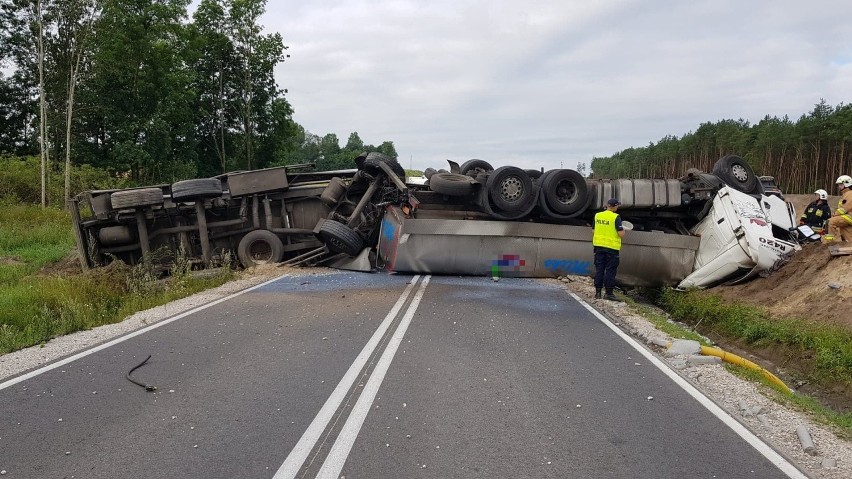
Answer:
(813, 286)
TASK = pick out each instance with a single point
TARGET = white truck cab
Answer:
(737, 239)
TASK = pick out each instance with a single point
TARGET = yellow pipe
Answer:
(740, 361)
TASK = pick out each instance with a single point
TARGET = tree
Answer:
(354, 143)
(258, 54)
(142, 122)
(74, 20)
(213, 59)
(18, 94)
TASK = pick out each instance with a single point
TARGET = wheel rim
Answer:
(739, 172)
(566, 192)
(511, 189)
(260, 252)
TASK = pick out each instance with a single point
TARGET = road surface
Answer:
(374, 376)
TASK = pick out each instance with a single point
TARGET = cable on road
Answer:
(147, 387)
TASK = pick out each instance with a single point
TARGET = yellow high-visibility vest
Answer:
(606, 235)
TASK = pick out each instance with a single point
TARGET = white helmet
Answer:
(845, 180)
(823, 195)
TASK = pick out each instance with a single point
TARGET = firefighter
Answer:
(607, 243)
(817, 213)
(840, 224)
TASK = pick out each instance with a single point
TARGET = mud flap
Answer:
(364, 262)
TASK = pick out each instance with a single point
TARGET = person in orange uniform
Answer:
(840, 223)
(607, 244)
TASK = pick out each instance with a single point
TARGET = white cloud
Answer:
(544, 83)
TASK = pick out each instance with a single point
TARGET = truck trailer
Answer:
(695, 231)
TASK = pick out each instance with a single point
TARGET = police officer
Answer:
(607, 244)
(840, 225)
(817, 213)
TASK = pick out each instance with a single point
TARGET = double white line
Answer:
(340, 449)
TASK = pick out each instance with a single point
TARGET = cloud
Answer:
(545, 83)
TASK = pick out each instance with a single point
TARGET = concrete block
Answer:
(684, 347)
(805, 439)
(699, 359)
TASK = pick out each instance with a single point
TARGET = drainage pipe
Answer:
(740, 361)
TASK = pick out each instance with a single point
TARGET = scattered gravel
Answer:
(747, 402)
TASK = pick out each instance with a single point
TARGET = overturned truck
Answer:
(694, 231)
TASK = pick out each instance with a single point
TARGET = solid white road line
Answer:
(782, 463)
(303, 448)
(340, 450)
(115, 341)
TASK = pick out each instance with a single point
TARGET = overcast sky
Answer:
(553, 83)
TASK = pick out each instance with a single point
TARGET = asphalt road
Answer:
(375, 376)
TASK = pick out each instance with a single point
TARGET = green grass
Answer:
(823, 353)
(829, 348)
(36, 306)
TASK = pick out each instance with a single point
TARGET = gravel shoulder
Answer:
(749, 403)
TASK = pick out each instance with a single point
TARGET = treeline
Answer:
(803, 156)
(140, 89)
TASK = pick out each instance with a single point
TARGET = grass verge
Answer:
(822, 354)
(37, 305)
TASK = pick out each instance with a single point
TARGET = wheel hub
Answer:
(260, 252)
(566, 192)
(511, 189)
(739, 173)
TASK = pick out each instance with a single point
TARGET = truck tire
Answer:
(450, 184)
(565, 191)
(333, 192)
(737, 174)
(260, 247)
(340, 238)
(359, 160)
(429, 172)
(374, 159)
(534, 174)
(127, 199)
(197, 188)
(510, 189)
(474, 167)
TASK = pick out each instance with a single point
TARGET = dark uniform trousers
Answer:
(606, 266)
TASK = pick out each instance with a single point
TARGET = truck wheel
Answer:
(340, 238)
(534, 174)
(450, 184)
(198, 188)
(565, 191)
(333, 192)
(359, 160)
(260, 247)
(736, 173)
(474, 167)
(121, 200)
(374, 159)
(510, 189)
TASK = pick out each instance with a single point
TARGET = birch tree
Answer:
(75, 20)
